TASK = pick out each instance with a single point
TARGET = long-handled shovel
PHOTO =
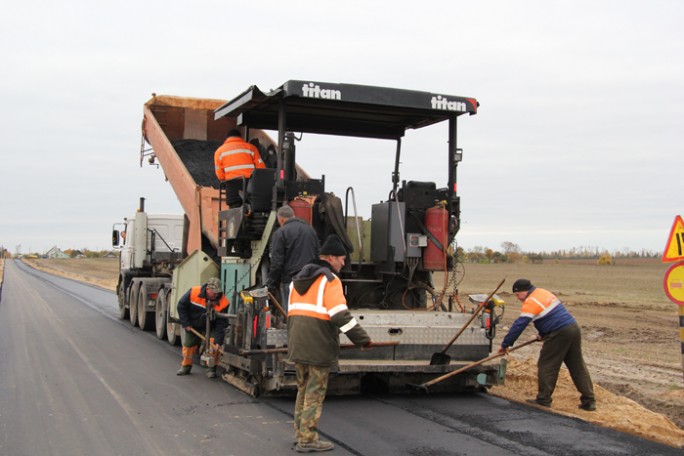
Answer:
(426, 385)
(201, 336)
(277, 305)
(441, 358)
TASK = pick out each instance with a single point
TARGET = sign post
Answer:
(674, 277)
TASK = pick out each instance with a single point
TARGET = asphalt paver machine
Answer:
(395, 256)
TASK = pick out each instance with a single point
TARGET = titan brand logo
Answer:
(439, 102)
(314, 91)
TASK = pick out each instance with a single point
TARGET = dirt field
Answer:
(630, 328)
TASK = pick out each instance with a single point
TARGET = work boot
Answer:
(314, 447)
(211, 373)
(537, 402)
(588, 406)
(184, 370)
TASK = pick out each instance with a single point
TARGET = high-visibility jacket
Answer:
(317, 313)
(542, 308)
(192, 311)
(236, 158)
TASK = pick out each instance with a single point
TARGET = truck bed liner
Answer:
(198, 158)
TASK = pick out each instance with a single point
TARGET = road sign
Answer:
(674, 283)
(674, 249)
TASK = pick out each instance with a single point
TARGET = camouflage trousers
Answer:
(312, 384)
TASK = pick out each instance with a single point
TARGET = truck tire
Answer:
(133, 304)
(145, 318)
(172, 329)
(121, 295)
(160, 314)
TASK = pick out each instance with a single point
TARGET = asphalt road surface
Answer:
(74, 380)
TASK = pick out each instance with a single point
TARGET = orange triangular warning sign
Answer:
(674, 249)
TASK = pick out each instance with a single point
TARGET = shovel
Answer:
(201, 336)
(426, 385)
(441, 358)
(277, 305)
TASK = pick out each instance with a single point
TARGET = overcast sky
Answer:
(579, 138)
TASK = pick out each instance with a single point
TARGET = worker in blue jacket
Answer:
(562, 343)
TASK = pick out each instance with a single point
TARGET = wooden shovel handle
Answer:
(477, 363)
(472, 317)
(201, 336)
(277, 305)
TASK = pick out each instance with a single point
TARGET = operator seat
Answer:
(259, 192)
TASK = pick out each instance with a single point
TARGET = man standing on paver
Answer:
(293, 245)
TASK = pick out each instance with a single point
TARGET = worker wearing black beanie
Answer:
(317, 314)
(562, 340)
(333, 246)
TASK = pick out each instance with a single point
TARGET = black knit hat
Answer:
(522, 285)
(333, 246)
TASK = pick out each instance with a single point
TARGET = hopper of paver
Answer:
(183, 136)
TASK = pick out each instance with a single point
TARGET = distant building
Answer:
(56, 253)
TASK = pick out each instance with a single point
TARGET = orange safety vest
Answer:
(236, 158)
(196, 300)
(538, 304)
(322, 300)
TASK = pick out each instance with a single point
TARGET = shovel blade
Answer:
(440, 359)
(420, 388)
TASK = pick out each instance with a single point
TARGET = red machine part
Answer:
(302, 209)
(436, 222)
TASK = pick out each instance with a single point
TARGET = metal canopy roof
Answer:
(344, 109)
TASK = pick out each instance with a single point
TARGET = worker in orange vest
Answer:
(192, 313)
(562, 339)
(234, 162)
(317, 314)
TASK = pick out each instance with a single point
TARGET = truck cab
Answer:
(151, 246)
(152, 236)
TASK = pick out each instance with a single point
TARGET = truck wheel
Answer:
(171, 328)
(145, 318)
(133, 304)
(160, 315)
(121, 294)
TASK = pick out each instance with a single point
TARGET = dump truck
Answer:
(150, 247)
(180, 135)
(395, 256)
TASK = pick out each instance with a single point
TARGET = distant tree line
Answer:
(85, 253)
(511, 253)
(73, 253)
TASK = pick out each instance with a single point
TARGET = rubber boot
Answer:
(211, 373)
(184, 370)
